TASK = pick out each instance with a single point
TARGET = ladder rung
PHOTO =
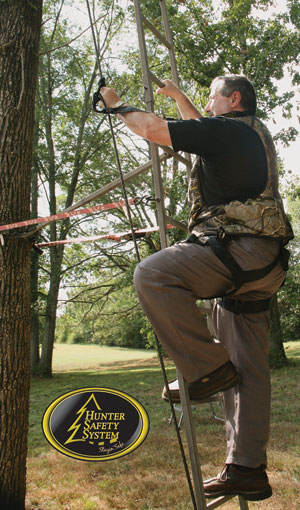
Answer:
(175, 155)
(218, 502)
(194, 403)
(156, 80)
(157, 33)
(175, 223)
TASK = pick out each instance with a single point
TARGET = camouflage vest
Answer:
(262, 216)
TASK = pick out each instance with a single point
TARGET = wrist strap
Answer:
(119, 109)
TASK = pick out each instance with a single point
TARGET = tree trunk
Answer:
(45, 367)
(277, 357)
(35, 324)
(20, 22)
(35, 329)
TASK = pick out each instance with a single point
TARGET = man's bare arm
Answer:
(147, 125)
(185, 106)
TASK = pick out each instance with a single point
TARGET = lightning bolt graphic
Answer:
(74, 426)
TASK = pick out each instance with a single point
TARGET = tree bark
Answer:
(56, 256)
(34, 279)
(20, 22)
(277, 357)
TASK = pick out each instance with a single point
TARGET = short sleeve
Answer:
(203, 136)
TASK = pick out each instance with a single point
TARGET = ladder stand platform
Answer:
(194, 404)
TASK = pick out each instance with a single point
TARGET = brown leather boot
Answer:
(221, 379)
(252, 485)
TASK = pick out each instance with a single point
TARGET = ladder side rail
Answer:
(149, 100)
(192, 442)
(191, 437)
(165, 18)
(243, 503)
(174, 70)
(200, 500)
(148, 92)
(159, 197)
(183, 387)
(175, 77)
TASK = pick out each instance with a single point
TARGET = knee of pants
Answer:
(138, 279)
(142, 279)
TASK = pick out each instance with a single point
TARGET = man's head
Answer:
(231, 93)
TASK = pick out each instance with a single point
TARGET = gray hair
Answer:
(240, 83)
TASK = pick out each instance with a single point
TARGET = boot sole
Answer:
(249, 496)
(228, 386)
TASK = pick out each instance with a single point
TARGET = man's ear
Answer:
(236, 99)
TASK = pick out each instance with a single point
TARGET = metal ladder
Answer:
(148, 78)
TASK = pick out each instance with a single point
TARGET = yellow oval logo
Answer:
(95, 424)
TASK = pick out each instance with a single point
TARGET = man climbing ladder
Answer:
(234, 253)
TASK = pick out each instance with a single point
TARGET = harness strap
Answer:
(237, 307)
(239, 276)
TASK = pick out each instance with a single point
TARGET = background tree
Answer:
(67, 141)
(20, 22)
(288, 296)
(74, 156)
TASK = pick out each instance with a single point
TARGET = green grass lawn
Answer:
(152, 477)
(68, 357)
(292, 349)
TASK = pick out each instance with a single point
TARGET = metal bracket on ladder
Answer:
(148, 78)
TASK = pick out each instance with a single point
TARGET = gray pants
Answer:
(168, 284)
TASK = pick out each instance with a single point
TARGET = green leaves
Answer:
(294, 13)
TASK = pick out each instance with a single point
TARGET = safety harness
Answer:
(239, 275)
(237, 307)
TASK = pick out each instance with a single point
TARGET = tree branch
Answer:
(71, 40)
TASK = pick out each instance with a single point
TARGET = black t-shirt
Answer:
(233, 163)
